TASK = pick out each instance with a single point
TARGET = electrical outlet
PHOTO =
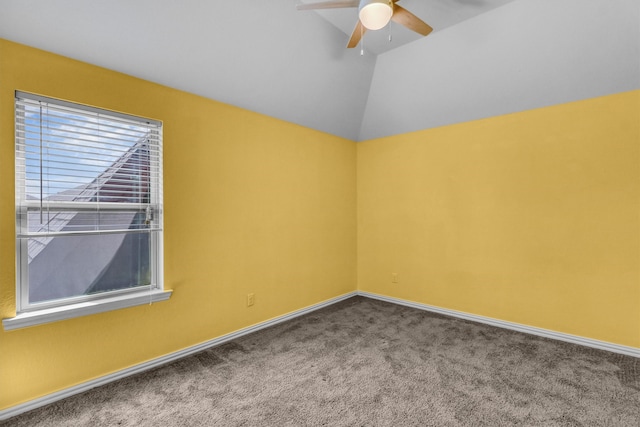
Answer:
(251, 299)
(394, 277)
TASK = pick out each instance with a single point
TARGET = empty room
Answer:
(320, 213)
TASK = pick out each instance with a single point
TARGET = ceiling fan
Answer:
(373, 15)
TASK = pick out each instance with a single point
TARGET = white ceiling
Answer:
(484, 57)
(524, 55)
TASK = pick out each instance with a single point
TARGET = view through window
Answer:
(88, 190)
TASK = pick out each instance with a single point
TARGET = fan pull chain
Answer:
(361, 40)
(389, 29)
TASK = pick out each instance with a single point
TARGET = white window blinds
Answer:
(82, 170)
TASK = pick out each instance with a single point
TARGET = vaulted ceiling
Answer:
(484, 57)
(439, 14)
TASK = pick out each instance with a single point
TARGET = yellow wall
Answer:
(252, 204)
(531, 217)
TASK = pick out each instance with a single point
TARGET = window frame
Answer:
(29, 314)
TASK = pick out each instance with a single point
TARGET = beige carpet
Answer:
(364, 362)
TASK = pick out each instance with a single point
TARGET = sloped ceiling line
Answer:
(484, 57)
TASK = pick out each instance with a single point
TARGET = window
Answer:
(88, 207)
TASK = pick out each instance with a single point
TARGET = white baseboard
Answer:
(80, 388)
(574, 339)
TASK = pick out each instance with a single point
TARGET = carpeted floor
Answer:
(363, 362)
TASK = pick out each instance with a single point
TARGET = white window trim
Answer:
(54, 314)
(38, 314)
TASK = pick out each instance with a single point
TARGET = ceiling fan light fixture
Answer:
(375, 14)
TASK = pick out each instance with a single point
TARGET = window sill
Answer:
(24, 320)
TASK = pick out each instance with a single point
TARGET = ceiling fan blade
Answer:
(356, 35)
(327, 5)
(403, 17)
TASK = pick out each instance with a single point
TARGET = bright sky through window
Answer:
(104, 142)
